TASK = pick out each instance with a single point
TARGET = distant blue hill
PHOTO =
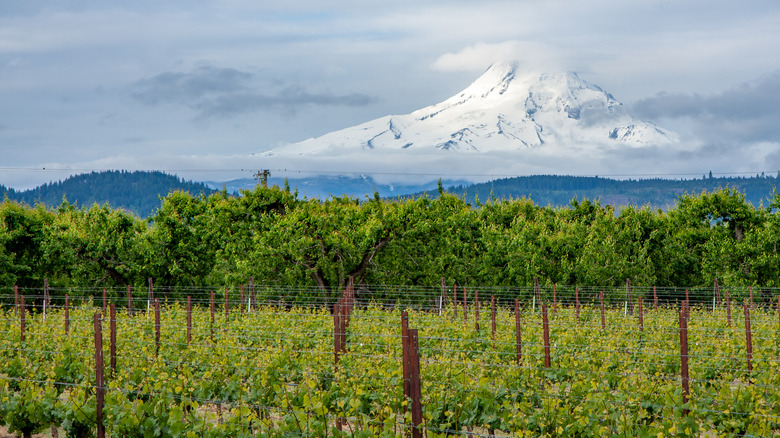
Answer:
(555, 190)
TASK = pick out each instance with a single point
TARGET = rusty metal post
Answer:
(46, 298)
(476, 310)
(546, 330)
(493, 316)
(748, 340)
(227, 306)
(518, 337)
(716, 286)
(655, 299)
(211, 304)
(728, 307)
(129, 302)
(603, 320)
(337, 325)
(67, 314)
(465, 306)
(157, 325)
(405, 353)
(22, 313)
(684, 356)
(414, 384)
(112, 336)
(455, 300)
(99, 384)
(189, 319)
(641, 315)
(577, 303)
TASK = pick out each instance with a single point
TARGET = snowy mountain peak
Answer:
(505, 109)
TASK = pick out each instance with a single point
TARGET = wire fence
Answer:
(492, 361)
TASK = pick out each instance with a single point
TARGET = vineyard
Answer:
(452, 361)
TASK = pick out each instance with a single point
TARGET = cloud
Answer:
(224, 92)
(289, 100)
(530, 55)
(748, 112)
(186, 88)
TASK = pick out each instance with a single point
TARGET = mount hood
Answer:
(504, 110)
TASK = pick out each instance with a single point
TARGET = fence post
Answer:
(655, 299)
(603, 321)
(465, 306)
(455, 300)
(641, 315)
(129, 302)
(211, 304)
(67, 314)
(156, 325)
(728, 307)
(99, 386)
(227, 306)
(414, 384)
(577, 302)
(518, 338)
(405, 353)
(252, 293)
(443, 294)
(684, 355)
(21, 319)
(337, 325)
(46, 302)
(537, 295)
(112, 335)
(189, 319)
(546, 329)
(748, 340)
(717, 289)
(476, 310)
(493, 315)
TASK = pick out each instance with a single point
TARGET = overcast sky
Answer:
(195, 87)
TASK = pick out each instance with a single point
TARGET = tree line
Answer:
(275, 237)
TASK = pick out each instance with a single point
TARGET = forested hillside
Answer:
(271, 235)
(138, 191)
(558, 190)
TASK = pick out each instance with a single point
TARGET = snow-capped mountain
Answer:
(503, 110)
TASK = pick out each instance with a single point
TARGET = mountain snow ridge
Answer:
(503, 110)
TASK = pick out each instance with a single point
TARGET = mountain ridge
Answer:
(502, 110)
